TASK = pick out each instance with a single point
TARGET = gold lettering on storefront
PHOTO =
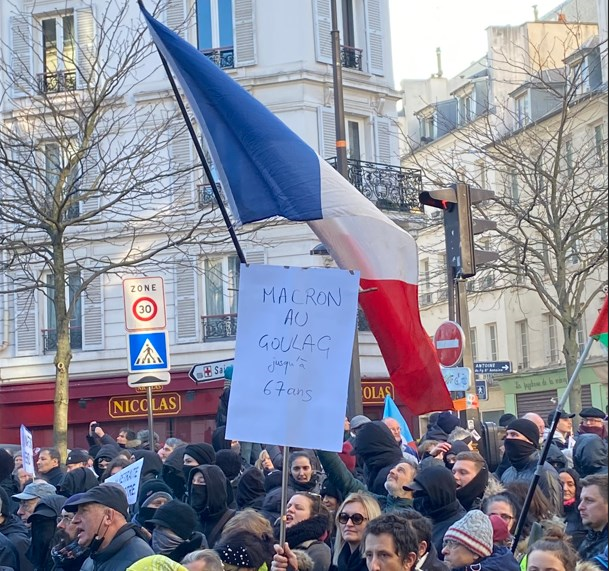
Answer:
(131, 407)
(374, 392)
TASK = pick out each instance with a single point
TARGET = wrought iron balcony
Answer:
(219, 327)
(389, 187)
(49, 339)
(57, 81)
(351, 58)
(362, 322)
(223, 57)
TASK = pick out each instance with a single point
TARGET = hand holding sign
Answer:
(292, 356)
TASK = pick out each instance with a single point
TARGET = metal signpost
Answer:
(449, 341)
(147, 338)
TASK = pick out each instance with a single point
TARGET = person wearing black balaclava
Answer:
(522, 449)
(173, 531)
(207, 496)
(471, 475)
(435, 496)
(152, 494)
(250, 490)
(173, 472)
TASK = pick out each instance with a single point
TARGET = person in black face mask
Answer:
(207, 496)
(522, 450)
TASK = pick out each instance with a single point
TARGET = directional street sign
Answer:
(144, 304)
(482, 389)
(457, 378)
(212, 371)
(448, 341)
(493, 367)
(138, 380)
(148, 351)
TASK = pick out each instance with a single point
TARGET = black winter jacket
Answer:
(17, 533)
(593, 544)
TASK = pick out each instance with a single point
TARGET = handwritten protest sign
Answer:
(27, 450)
(292, 356)
(129, 479)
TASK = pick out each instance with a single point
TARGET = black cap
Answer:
(176, 516)
(506, 418)
(109, 494)
(413, 486)
(592, 412)
(563, 414)
(527, 428)
(76, 456)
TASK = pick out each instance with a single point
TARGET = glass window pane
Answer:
(49, 41)
(51, 317)
(69, 43)
(73, 285)
(214, 296)
(225, 19)
(204, 37)
(233, 283)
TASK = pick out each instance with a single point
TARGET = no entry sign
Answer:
(144, 304)
(449, 341)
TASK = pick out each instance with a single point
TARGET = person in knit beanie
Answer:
(197, 455)
(468, 545)
(522, 450)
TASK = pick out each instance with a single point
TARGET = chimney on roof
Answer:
(562, 18)
(535, 13)
(439, 60)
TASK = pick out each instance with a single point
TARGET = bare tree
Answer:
(549, 162)
(97, 174)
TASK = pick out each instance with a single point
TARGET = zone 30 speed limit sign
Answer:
(144, 304)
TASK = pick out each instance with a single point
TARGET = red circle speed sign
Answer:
(448, 341)
(144, 309)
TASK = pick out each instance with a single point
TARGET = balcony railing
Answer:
(49, 339)
(223, 57)
(351, 58)
(362, 322)
(57, 81)
(389, 187)
(219, 327)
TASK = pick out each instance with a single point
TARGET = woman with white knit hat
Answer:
(468, 546)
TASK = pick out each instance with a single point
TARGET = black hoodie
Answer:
(375, 445)
(213, 512)
(470, 495)
(437, 500)
(44, 527)
(106, 451)
(590, 455)
(173, 474)
(152, 466)
(77, 481)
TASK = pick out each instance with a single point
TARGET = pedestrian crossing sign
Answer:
(148, 351)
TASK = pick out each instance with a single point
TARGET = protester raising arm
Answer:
(338, 474)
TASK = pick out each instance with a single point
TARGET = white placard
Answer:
(129, 479)
(27, 450)
(293, 352)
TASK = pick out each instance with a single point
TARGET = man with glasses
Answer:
(66, 553)
(29, 498)
(593, 422)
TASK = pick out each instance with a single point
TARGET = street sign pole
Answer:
(150, 419)
(470, 414)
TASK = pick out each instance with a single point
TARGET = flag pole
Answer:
(195, 140)
(546, 449)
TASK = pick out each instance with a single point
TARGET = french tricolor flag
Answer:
(267, 170)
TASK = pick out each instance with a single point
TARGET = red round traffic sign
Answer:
(144, 309)
(448, 342)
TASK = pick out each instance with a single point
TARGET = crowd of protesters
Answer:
(379, 505)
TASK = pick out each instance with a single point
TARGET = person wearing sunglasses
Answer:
(352, 517)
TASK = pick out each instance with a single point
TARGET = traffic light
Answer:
(459, 226)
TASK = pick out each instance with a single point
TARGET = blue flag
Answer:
(392, 411)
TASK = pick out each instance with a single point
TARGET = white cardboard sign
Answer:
(129, 479)
(292, 356)
(27, 450)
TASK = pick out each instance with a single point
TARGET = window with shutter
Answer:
(245, 38)
(186, 306)
(21, 55)
(93, 315)
(72, 284)
(327, 132)
(374, 35)
(382, 136)
(89, 191)
(85, 32)
(181, 163)
(27, 331)
(175, 15)
(323, 28)
(58, 43)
